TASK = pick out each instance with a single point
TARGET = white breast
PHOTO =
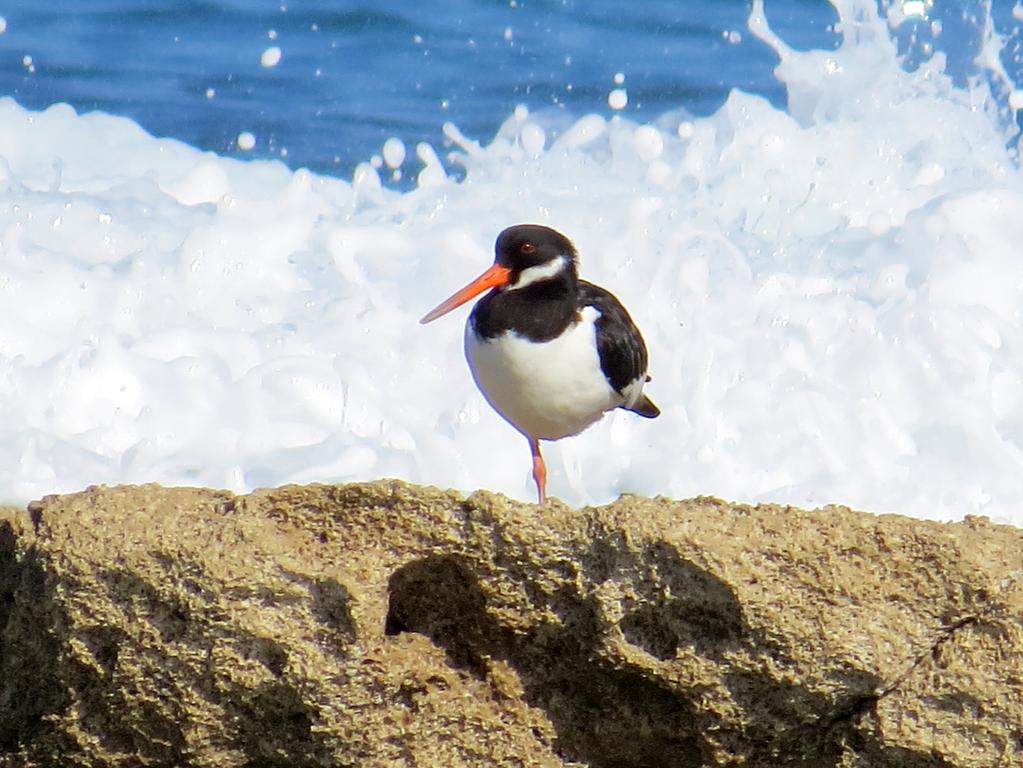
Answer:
(546, 390)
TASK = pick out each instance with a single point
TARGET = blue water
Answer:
(352, 74)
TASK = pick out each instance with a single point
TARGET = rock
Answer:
(384, 624)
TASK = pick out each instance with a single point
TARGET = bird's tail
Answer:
(645, 407)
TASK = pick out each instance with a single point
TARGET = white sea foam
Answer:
(271, 56)
(831, 296)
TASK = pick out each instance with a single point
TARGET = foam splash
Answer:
(830, 295)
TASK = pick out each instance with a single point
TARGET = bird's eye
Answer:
(527, 248)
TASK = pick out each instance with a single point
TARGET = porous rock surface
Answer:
(385, 624)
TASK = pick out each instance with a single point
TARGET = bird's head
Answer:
(525, 254)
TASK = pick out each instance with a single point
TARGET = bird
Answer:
(551, 352)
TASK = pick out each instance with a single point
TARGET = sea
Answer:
(220, 222)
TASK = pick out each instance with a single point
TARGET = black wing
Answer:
(620, 346)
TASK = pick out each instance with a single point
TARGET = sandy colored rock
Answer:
(385, 624)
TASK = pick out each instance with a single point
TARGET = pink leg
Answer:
(539, 470)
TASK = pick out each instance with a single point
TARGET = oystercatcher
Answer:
(551, 353)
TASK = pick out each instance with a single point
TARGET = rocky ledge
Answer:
(386, 624)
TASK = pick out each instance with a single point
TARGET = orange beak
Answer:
(492, 278)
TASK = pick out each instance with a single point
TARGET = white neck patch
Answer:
(540, 272)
